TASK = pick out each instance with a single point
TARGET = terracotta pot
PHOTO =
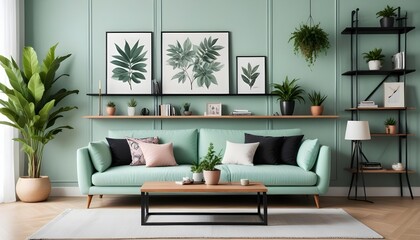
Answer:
(33, 189)
(110, 111)
(212, 177)
(391, 129)
(317, 110)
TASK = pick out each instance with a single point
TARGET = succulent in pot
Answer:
(387, 16)
(316, 99)
(132, 104)
(110, 108)
(197, 170)
(390, 125)
(374, 58)
(287, 92)
(208, 164)
(187, 111)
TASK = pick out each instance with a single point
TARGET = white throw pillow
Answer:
(240, 153)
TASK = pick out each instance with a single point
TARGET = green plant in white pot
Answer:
(374, 58)
(32, 108)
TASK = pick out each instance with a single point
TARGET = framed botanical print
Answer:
(195, 62)
(129, 62)
(214, 109)
(394, 94)
(250, 75)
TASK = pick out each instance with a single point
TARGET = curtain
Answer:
(10, 45)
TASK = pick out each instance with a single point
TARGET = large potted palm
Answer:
(32, 108)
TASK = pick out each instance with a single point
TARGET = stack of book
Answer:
(241, 112)
(371, 166)
(167, 110)
(367, 104)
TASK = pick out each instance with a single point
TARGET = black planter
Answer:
(287, 107)
(387, 22)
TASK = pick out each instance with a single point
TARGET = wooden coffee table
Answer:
(222, 188)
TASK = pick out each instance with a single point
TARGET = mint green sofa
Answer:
(190, 145)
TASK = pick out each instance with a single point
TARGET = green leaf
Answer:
(30, 62)
(36, 88)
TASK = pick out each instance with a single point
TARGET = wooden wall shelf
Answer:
(391, 135)
(387, 171)
(214, 117)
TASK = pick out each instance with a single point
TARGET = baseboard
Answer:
(333, 191)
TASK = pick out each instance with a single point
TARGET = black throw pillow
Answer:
(290, 149)
(269, 150)
(120, 151)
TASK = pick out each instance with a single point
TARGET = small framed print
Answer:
(214, 109)
(394, 94)
(250, 75)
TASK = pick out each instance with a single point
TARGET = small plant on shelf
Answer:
(132, 103)
(287, 92)
(110, 108)
(316, 99)
(187, 111)
(374, 58)
(387, 16)
(390, 125)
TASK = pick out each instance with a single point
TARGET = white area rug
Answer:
(125, 224)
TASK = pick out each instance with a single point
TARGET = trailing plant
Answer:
(211, 159)
(187, 106)
(110, 104)
(316, 98)
(375, 54)
(197, 63)
(130, 64)
(388, 11)
(249, 75)
(31, 103)
(132, 103)
(310, 41)
(390, 121)
(288, 90)
(197, 168)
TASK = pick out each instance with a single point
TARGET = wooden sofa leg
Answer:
(89, 200)
(316, 198)
(100, 196)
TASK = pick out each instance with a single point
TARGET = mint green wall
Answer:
(257, 27)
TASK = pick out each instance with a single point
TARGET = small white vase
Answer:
(131, 111)
(198, 177)
(374, 65)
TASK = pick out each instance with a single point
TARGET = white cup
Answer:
(244, 182)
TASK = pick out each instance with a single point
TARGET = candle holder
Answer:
(100, 103)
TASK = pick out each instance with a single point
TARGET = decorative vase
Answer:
(187, 113)
(287, 107)
(131, 111)
(212, 177)
(387, 22)
(33, 189)
(110, 111)
(317, 110)
(374, 65)
(391, 129)
(198, 177)
(145, 111)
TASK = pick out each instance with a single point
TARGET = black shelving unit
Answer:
(356, 74)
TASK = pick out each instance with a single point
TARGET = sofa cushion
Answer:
(269, 150)
(137, 156)
(273, 175)
(101, 155)
(307, 153)
(219, 136)
(290, 149)
(184, 141)
(120, 151)
(135, 176)
(239, 153)
(158, 155)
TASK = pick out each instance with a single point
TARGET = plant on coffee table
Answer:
(209, 162)
(197, 170)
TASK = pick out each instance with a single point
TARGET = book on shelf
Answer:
(367, 104)
(371, 165)
(167, 110)
(238, 112)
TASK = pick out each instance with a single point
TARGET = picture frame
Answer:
(122, 49)
(201, 71)
(394, 95)
(214, 109)
(251, 74)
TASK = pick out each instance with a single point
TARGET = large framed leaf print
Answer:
(129, 62)
(250, 75)
(195, 62)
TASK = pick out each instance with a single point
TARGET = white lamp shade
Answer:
(357, 130)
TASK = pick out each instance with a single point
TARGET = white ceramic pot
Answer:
(374, 65)
(131, 111)
(198, 177)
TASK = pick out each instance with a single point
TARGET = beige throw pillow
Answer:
(158, 155)
(239, 153)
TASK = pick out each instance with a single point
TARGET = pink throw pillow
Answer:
(158, 155)
(137, 157)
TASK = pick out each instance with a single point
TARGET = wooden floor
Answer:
(392, 217)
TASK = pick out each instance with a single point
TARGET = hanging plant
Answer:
(310, 39)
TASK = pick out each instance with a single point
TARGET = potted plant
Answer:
(374, 58)
(387, 16)
(187, 111)
(110, 108)
(316, 99)
(132, 104)
(287, 93)
(197, 170)
(32, 107)
(209, 162)
(310, 41)
(145, 111)
(390, 125)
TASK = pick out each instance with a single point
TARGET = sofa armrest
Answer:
(84, 170)
(323, 169)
